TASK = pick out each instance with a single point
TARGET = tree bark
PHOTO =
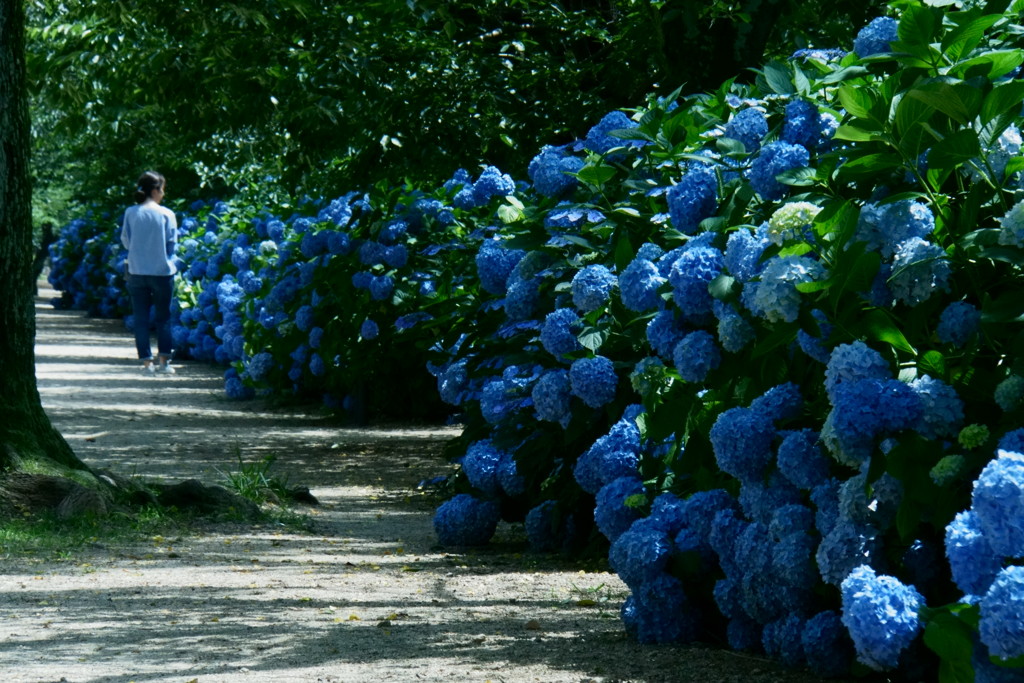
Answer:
(25, 430)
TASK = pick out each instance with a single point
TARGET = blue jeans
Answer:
(155, 291)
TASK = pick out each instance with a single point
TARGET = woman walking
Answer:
(150, 233)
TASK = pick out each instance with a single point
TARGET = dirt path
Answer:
(366, 596)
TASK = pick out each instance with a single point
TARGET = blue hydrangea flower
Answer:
(864, 410)
(781, 402)
(371, 253)
(801, 460)
(884, 227)
(851, 362)
(793, 560)
(591, 287)
(827, 645)
(690, 276)
(639, 284)
(494, 263)
(664, 332)
(775, 296)
(844, 548)
(599, 138)
(693, 198)
(1009, 392)
(749, 126)
(1002, 614)
(761, 499)
(942, 410)
(552, 395)
(369, 329)
(464, 521)
(973, 563)
(559, 333)
(658, 611)
(741, 439)
(552, 171)
(521, 298)
(696, 355)
(510, 480)
(998, 502)
(236, 390)
(734, 332)
(259, 365)
(593, 380)
(958, 323)
(874, 38)
(1012, 224)
(611, 514)
(882, 616)
(919, 269)
(381, 287)
(825, 497)
(545, 531)
(481, 464)
(613, 455)
(775, 158)
(782, 640)
(492, 183)
(640, 553)
(801, 125)
(396, 255)
(743, 252)
(814, 344)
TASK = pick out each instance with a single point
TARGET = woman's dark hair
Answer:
(148, 181)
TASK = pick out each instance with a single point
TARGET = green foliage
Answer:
(253, 481)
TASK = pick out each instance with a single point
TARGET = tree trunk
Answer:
(25, 430)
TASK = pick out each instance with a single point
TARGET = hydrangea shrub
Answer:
(759, 344)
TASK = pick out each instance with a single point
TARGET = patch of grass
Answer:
(48, 537)
(253, 481)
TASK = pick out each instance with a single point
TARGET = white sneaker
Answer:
(165, 369)
(149, 369)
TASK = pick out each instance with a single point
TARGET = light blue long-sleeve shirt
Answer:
(150, 233)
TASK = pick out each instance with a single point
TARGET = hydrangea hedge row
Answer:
(763, 343)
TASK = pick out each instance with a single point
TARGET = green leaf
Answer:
(798, 177)
(855, 134)
(910, 112)
(1007, 308)
(879, 326)
(730, 146)
(778, 77)
(965, 37)
(846, 73)
(722, 287)
(956, 99)
(1002, 99)
(918, 25)
(990, 65)
(596, 175)
(592, 338)
(952, 640)
(954, 150)
(509, 214)
(933, 362)
(858, 101)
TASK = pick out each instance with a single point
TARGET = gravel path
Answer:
(367, 595)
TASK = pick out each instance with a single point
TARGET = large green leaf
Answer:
(966, 36)
(880, 326)
(954, 150)
(954, 98)
(1003, 98)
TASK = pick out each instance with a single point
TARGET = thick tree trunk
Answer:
(25, 430)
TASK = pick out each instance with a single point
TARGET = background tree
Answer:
(25, 430)
(325, 97)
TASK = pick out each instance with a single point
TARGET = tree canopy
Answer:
(321, 96)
